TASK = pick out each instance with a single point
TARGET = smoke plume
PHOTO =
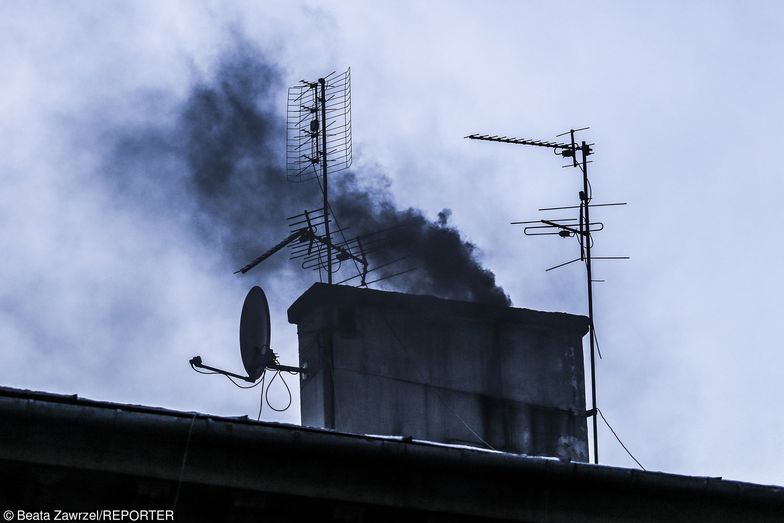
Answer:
(229, 140)
(446, 265)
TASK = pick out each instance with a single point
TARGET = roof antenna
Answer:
(318, 144)
(319, 135)
(581, 228)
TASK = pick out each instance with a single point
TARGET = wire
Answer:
(201, 371)
(242, 386)
(184, 459)
(320, 263)
(590, 191)
(619, 439)
(309, 331)
(335, 217)
(261, 396)
(596, 340)
(288, 390)
(438, 394)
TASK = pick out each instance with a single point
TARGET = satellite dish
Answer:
(257, 356)
(255, 332)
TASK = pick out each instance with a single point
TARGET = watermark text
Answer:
(90, 515)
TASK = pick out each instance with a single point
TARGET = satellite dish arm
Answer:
(274, 365)
(196, 362)
(287, 368)
(271, 362)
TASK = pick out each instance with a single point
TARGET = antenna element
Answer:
(580, 228)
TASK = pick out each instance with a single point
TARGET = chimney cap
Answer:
(320, 295)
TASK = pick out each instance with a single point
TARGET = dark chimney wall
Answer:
(442, 370)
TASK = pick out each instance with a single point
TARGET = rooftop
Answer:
(204, 460)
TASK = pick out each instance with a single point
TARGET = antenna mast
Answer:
(580, 228)
(324, 172)
(319, 134)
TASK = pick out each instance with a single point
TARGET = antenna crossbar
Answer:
(578, 206)
(519, 141)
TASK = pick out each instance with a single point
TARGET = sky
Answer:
(118, 263)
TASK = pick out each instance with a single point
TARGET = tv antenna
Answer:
(255, 351)
(318, 144)
(318, 138)
(581, 228)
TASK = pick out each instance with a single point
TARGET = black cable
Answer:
(309, 331)
(619, 439)
(201, 371)
(261, 396)
(318, 254)
(242, 386)
(596, 340)
(184, 459)
(334, 216)
(590, 191)
(287, 390)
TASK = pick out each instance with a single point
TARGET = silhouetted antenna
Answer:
(318, 144)
(318, 250)
(318, 127)
(318, 137)
(581, 228)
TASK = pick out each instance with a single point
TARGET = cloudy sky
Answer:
(117, 263)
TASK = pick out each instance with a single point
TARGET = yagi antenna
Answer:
(580, 227)
(255, 351)
(318, 254)
(318, 144)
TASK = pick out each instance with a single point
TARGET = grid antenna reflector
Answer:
(318, 127)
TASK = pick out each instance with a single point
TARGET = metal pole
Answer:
(587, 238)
(323, 159)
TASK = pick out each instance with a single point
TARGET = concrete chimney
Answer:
(442, 370)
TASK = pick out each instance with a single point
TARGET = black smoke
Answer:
(229, 141)
(446, 265)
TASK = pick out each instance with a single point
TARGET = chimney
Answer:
(442, 370)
